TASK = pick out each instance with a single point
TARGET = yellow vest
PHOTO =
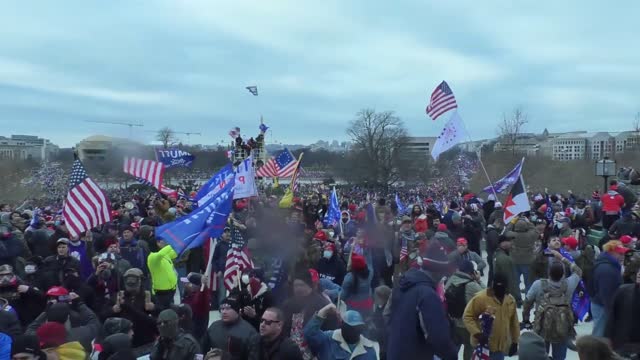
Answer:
(163, 274)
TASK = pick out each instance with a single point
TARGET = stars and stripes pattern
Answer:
(253, 90)
(234, 132)
(294, 178)
(86, 205)
(238, 260)
(149, 170)
(404, 251)
(282, 165)
(442, 100)
(481, 353)
(163, 189)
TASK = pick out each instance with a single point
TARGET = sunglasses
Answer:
(268, 322)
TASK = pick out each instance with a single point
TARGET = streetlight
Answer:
(605, 168)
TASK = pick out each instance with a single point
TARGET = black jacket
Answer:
(333, 269)
(83, 334)
(9, 324)
(282, 348)
(53, 269)
(624, 316)
(239, 339)
(185, 347)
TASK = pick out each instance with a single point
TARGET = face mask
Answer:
(168, 330)
(499, 290)
(558, 225)
(30, 269)
(331, 233)
(327, 254)
(245, 279)
(56, 223)
(351, 334)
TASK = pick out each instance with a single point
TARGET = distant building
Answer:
(26, 147)
(99, 147)
(420, 146)
(527, 144)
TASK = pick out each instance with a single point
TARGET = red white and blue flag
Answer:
(442, 100)
(149, 170)
(281, 165)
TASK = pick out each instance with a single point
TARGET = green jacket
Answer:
(163, 274)
(503, 263)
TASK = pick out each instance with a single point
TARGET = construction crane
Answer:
(179, 132)
(129, 124)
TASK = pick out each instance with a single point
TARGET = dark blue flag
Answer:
(333, 214)
(401, 208)
(174, 157)
(215, 184)
(548, 214)
(207, 221)
(508, 180)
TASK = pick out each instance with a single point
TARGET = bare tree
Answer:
(636, 132)
(166, 136)
(511, 127)
(378, 139)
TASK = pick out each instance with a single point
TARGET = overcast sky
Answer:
(572, 65)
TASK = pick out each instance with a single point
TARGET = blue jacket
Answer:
(607, 278)
(329, 345)
(418, 326)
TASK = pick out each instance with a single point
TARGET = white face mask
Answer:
(30, 269)
(245, 279)
(331, 233)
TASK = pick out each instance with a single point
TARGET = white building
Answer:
(569, 147)
(420, 146)
(26, 147)
(99, 147)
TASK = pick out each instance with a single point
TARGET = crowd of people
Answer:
(383, 282)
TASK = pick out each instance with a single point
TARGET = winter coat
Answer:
(184, 347)
(624, 315)
(503, 263)
(84, 334)
(10, 248)
(330, 345)
(163, 274)
(492, 235)
(611, 202)
(471, 288)
(39, 242)
(455, 257)
(472, 230)
(144, 325)
(27, 305)
(134, 254)
(333, 269)
(607, 278)
(9, 323)
(281, 348)
(261, 301)
(418, 326)
(240, 336)
(444, 240)
(524, 237)
(506, 326)
(53, 269)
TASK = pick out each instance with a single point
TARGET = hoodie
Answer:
(418, 325)
(607, 278)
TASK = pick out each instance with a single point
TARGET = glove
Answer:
(513, 349)
(482, 338)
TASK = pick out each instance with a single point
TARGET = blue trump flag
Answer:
(507, 180)
(333, 214)
(207, 221)
(174, 157)
(215, 184)
(401, 208)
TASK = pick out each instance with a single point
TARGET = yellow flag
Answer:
(275, 182)
(287, 200)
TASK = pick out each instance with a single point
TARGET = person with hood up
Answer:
(60, 313)
(135, 304)
(503, 264)
(347, 342)
(443, 237)
(74, 283)
(492, 235)
(347, 227)
(132, 251)
(117, 347)
(503, 340)
(498, 213)
(173, 343)
(607, 278)
(232, 334)
(418, 326)
(622, 324)
(612, 204)
(532, 347)
(27, 301)
(461, 287)
(356, 287)
(524, 237)
(331, 266)
(463, 253)
(197, 296)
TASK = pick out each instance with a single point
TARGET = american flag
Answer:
(481, 353)
(238, 260)
(86, 205)
(404, 251)
(442, 100)
(149, 170)
(294, 177)
(163, 189)
(234, 132)
(282, 165)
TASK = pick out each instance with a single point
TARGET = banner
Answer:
(174, 157)
(506, 181)
(207, 221)
(214, 185)
(245, 180)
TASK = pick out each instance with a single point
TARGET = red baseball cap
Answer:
(461, 241)
(570, 241)
(626, 239)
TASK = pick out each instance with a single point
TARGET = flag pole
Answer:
(479, 154)
(207, 272)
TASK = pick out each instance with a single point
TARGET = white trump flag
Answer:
(452, 134)
(245, 180)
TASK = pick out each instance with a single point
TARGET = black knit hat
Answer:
(435, 259)
(58, 312)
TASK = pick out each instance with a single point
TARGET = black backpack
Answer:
(455, 297)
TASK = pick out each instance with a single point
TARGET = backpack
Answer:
(455, 297)
(554, 316)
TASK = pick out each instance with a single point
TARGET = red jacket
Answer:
(612, 202)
